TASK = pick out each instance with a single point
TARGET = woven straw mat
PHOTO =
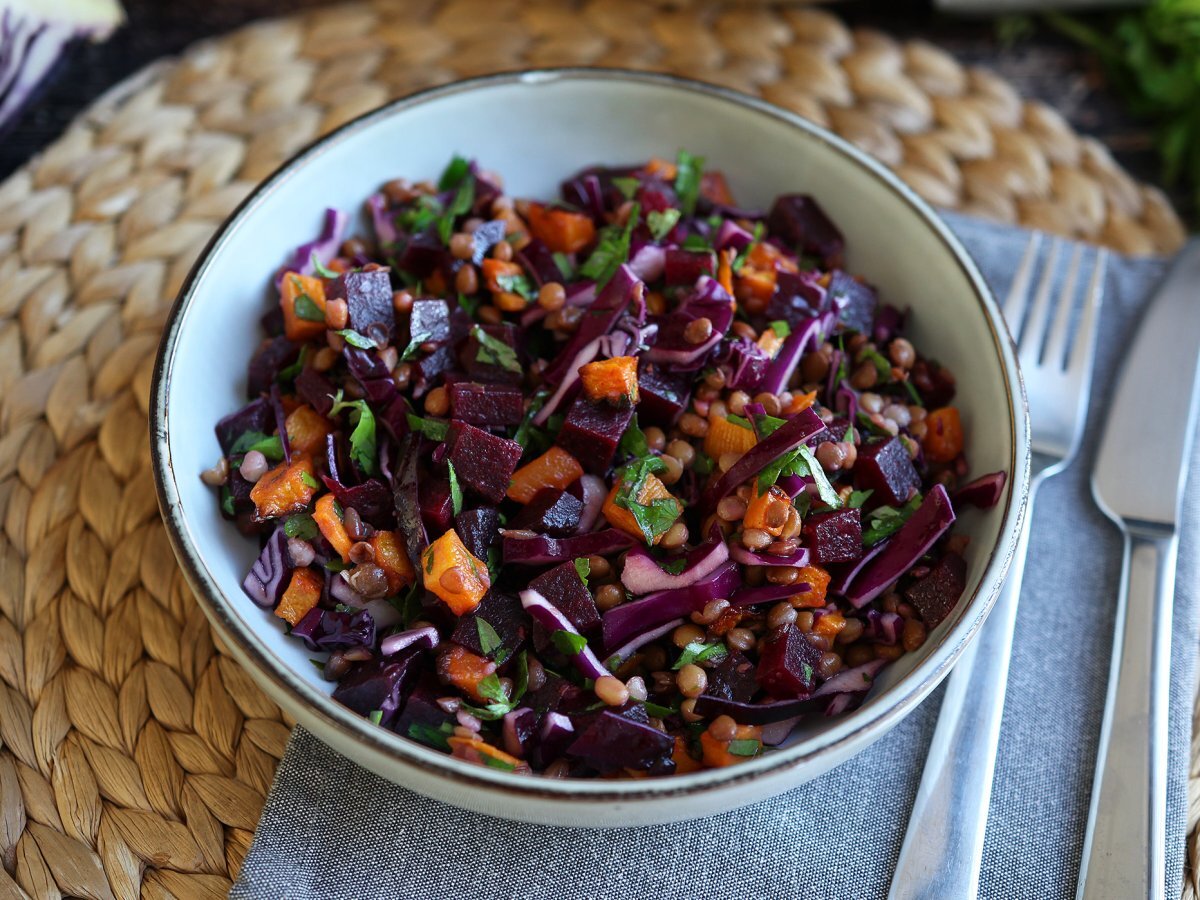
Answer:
(136, 757)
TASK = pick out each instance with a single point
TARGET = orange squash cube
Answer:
(556, 468)
(302, 595)
(765, 512)
(619, 517)
(611, 380)
(307, 321)
(456, 576)
(465, 670)
(727, 437)
(325, 514)
(306, 429)
(288, 488)
(391, 555)
(717, 754)
(561, 230)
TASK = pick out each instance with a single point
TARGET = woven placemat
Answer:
(136, 757)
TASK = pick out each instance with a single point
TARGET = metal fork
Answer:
(943, 846)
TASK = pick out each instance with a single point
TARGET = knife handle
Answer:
(1124, 848)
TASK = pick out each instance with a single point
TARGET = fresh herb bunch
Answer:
(1152, 56)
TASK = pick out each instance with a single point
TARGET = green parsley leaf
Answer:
(310, 481)
(320, 268)
(431, 428)
(744, 747)
(423, 213)
(695, 242)
(521, 678)
(521, 435)
(858, 498)
(824, 489)
(882, 366)
(633, 441)
(336, 565)
(454, 173)
(661, 223)
(227, 501)
(568, 643)
(354, 339)
(584, 567)
(270, 447)
(611, 251)
(673, 566)
(490, 688)
(494, 762)
(627, 186)
(489, 640)
(469, 305)
(884, 521)
(414, 346)
(456, 494)
(409, 605)
(702, 463)
(689, 171)
(289, 373)
(301, 526)
(517, 284)
(656, 517)
(912, 393)
(306, 307)
(464, 199)
(698, 652)
(362, 438)
(430, 736)
(494, 352)
(564, 265)
(376, 716)
(781, 328)
(659, 712)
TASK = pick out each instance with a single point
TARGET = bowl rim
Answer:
(855, 731)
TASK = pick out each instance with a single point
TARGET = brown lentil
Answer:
(755, 539)
(336, 666)
(663, 681)
(437, 402)
(819, 641)
(698, 330)
(784, 547)
(686, 634)
(737, 402)
(783, 574)
(870, 402)
(770, 403)
(864, 376)
(402, 375)
(744, 330)
(674, 470)
(537, 673)
(691, 680)
(552, 296)
(740, 639)
(489, 315)
(676, 535)
(611, 691)
(793, 525)
(898, 413)
(831, 455)
(828, 665)
(717, 409)
(609, 596)
(857, 654)
(654, 657)
(850, 456)
(560, 768)
(682, 451)
(462, 246)
(687, 710)
(217, 475)
(453, 579)
(723, 728)
(890, 652)
(598, 567)
(466, 280)
(656, 440)
(781, 614)
(337, 313)
(402, 302)
(503, 251)
(711, 612)
(902, 353)
(814, 366)
(692, 425)
(361, 552)
(389, 356)
(850, 632)
(731, 508)
(370, 581)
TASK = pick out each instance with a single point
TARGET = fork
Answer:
(943, 846)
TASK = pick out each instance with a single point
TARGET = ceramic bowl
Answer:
(535, 128)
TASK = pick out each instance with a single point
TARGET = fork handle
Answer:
(1124, 848)
(943, 846)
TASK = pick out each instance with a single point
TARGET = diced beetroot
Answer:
(686, 266)
(479, 529)
(482, 461)
(421, 254)
(422, 709)
(563, 587)
(799, 220)
(885, 468)
(834, 537)
(394, 417)
(592, 431)
(937, 593)
(984, 492)
(371, 373)
(486, 404)
(239, 490)
(432, 367)
(787, 663)
(520, 732)
(368, 297)
(934, 383)
(504, 613)
(256, 415)
(556, 694)
(856, 302)
(612, 742)
(555, 734)
(485, 237)
(315, 389)
(798, 296)
(437, 507)
(266, 362)
(479, 369)
(663, 396)
(372, 500)
(429, 321)
(379, 685)
(538, 262)
(551, 512)
(732, 678)
(834, 431)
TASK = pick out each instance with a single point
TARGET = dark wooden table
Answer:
(1042, 65)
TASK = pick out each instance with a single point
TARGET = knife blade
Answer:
(1138, 480)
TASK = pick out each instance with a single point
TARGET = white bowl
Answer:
(534, 128)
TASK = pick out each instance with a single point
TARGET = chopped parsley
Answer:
(376, 716)
(584, 567)
(464, 199)
(655, 518)
(454, 173)
(456, 494)
(568, 643)
(414, 346)
(627, 186)
(661, 223)
(469, 305)
(744, 747)
(494, 352)
(489, 640)
(271, 447)
(882, 366)
(858, 498)
(633, 441)
(781, 328)
(430, 736)
(520, 285)
(306, 307)
(695, 242)
(673, 566)
(423, 213)
(698, 652)
(884, 521)
(739, 261)
(802, 462)
(611, 251)
(689, 170)
(289, 373)
(320, 268)
(912, 393)
(659, 711)
(431, 428)
(564, 265)
(227, 501)
(301, 526)
(310, 481)
(354, 339)
(362, 438)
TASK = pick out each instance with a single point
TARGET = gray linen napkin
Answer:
(332, 829)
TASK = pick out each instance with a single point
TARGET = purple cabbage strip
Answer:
(787, 437)
(623, 653)
(629, 619)
(768, 593)
(382, 220)
(426, 638)
(325, 246)
(268, 577)
(642, 573)
(552, 619)
(795, 345)
(746, 557)
(594, 492)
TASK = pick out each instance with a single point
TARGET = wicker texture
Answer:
(136, 757)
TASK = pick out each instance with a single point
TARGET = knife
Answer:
(1140, 471)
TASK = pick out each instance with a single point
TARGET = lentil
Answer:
(552, 296)
(437, 402)
(723, 728)
(217, 475)
(731, 508)
(740, 639)
(609, 596)
(254, 466)
(691, 680)
(611, 691)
